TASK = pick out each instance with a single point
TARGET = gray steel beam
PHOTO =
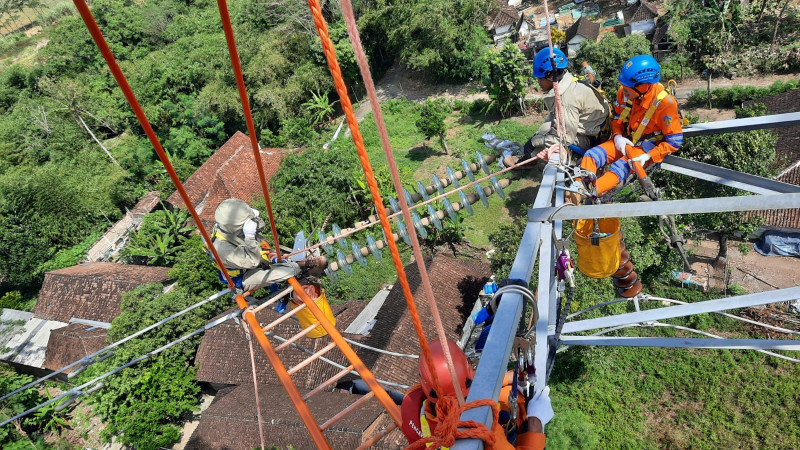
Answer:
(750, 123)
(689, 309)
(544, 305)
(668, 207)
(731, 344)
(494, 359)
(727, 177)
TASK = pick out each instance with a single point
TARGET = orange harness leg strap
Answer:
(450, 428)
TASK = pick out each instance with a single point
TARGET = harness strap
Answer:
(625, 115)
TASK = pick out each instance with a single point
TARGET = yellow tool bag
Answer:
(305, 316)
(598, 249)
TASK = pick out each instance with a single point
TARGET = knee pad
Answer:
(621, 169)
(598, 155)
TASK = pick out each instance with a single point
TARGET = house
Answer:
(538, 40)
(230, 172)
(580, 31)
(76, 305)
(223, 361)
(640, 18)
(503, 22)
(108, 246)
(91, 291)
(787, 150)
(662, 43)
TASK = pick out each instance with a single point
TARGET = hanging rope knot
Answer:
(449, 428)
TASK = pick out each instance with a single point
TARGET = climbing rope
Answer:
(352, 122)
(248, 115)
(561, 128)
(449, 428)
(255, 383)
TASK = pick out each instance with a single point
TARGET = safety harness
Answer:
(637, 134)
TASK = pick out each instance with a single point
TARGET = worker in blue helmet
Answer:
(586, 111)
(646, 126)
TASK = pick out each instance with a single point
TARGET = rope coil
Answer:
(449, 428)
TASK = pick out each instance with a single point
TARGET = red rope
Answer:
(358, 140)
(248, 115)
(350, 21)
(97, 35)
(246, 329)
(449, 428)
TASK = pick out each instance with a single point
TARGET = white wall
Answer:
(643, 27)
(574, 44)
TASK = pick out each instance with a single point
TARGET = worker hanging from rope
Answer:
(249, 260)
(587, 113)
(646, 125)
(430, 416)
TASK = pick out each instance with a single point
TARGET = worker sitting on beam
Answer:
(646, 125)
(246, 255)
(424, 406)
(586, 111)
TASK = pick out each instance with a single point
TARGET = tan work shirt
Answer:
(584, 117)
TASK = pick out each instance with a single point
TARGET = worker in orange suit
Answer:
(646, 125)
(419, 404)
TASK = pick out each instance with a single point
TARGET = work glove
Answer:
(540, 407)
(620, 142)
(256, 212)
(249, 229)
(643, 158)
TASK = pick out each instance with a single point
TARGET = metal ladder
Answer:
(299, 401)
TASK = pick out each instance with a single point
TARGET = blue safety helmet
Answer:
(638, 70)
(542, 64)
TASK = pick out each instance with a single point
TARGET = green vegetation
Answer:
(609, 54)
(160, 239)
(735, 38)
(508, 80)
(29, 430)
(144, 405)
(734, 96)
(431, 121)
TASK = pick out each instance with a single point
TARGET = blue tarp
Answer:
(778, 243)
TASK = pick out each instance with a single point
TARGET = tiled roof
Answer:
(456, 284)
(224, 356)
(662, 28)
(230, 422)
(583, 27)
(231, 172)
(71, 343)
(91, 290)
(788, 154)
(504, 16)
(644, 10)
(146, 204)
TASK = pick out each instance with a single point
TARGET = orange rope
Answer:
(350, 21)
(248, 115)
(358, 140)
(449, 428)
(97, 35)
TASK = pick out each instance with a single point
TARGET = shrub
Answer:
(69, 256)
(729, 97)
(15, 300)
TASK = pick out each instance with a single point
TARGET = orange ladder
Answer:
(284, 375)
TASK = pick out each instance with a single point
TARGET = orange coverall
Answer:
(662, 136)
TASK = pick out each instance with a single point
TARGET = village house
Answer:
(640, 18)
(583, 29)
